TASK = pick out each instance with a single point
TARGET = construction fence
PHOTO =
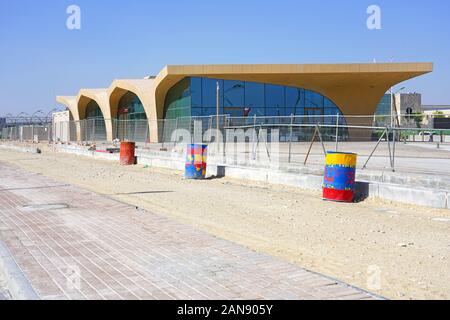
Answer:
(289, 142)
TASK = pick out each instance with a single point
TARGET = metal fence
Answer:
(291, 128)
(27, 133)
(412, 144)
(131, 130)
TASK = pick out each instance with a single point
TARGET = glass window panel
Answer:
(295, 111)
(233, 93)
(178, 100)
(196, 92)
(235, 111)
(254, 95)
(275, 112)
(328, 103)
(314, 111)
(330, 115)
(384, 107)
(313, 99)
(209, 92)
(209, 111)
(184, 111)
(184, 102)
(93, 110)
(332, 111)
(259, 112)
(274, 96)
(295, 97)
(329, 121)
(196, 112)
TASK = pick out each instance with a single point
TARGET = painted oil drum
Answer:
(339, 179)
(127, 153)
(196, 161)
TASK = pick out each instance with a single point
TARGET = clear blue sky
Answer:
(40, 58)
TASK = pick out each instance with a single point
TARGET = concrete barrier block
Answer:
(309, 182)
(406, 189)
(247, 173)
(106, 156)
(32, 150)
(168, 164)
(369, 176)
(419, 196)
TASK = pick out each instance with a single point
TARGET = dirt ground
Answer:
(406, 247)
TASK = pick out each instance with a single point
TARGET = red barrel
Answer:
(127, 156)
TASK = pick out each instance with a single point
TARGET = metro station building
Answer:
(243, 91)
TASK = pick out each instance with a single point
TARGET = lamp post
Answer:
(217, 114)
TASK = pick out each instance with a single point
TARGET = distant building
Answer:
(408, 103)
(403, 105)
(436, 110)
(438, 116)
(61, 126)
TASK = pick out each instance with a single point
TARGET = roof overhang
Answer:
(331, 80)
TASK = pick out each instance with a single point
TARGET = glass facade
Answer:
(195, 96)
(131, 108)
(384, 107)
(93, 111)
(94, 126)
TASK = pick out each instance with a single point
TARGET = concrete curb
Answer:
(89, 153)
(17, 284)
(21, 149)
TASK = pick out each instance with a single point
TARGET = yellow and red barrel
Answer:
(339, 179)
(196, 161)
(127, 153)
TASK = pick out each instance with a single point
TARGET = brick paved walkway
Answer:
(87, 246)
(4, 294)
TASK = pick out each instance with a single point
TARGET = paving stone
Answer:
(99, 248)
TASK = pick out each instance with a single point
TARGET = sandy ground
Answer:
(406, 247)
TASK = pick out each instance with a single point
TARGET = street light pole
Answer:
(217, 113)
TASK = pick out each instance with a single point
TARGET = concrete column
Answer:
(356, 134)
(109, 130)
(153, 126)
(78, 129)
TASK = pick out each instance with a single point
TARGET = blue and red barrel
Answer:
(339, 179)
(196, 161)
